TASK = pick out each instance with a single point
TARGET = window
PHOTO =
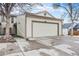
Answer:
(12, 20)
(44, 14)
(4, 30)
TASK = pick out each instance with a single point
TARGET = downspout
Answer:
(25, 25)
(61, 27)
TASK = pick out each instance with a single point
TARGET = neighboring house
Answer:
(68, 26)
(41, 24)
(13, 26)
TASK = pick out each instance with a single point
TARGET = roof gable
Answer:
(45, 13)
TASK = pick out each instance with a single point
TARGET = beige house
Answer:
(41, 24)
(13, 26)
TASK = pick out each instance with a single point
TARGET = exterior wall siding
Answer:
(21, 25)
(29, 24)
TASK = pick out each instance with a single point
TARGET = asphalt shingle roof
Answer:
(67, 25)
(77, 26)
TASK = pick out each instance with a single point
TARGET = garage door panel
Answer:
(44, 29)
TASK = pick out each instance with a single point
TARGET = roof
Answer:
(38, 16)
(77, 26)
(33, 14)
(67, 25)
(45, 12)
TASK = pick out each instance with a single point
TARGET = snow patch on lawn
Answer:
(4, 45)
(65, 48)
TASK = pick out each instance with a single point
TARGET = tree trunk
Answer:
(71, 31)
(70, 8)
(7, 32)
(72, 28)
(7, 25)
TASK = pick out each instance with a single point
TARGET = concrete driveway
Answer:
(46, 46)
(62, 45)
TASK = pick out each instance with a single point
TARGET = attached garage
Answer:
(32, 25)
(42, 29)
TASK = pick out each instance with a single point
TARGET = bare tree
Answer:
(7, 8)
(71, 9)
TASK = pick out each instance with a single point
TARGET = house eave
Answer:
(39, 16)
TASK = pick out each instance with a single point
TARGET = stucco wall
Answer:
(29, 24)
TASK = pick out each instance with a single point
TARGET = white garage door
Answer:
(40, 29)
